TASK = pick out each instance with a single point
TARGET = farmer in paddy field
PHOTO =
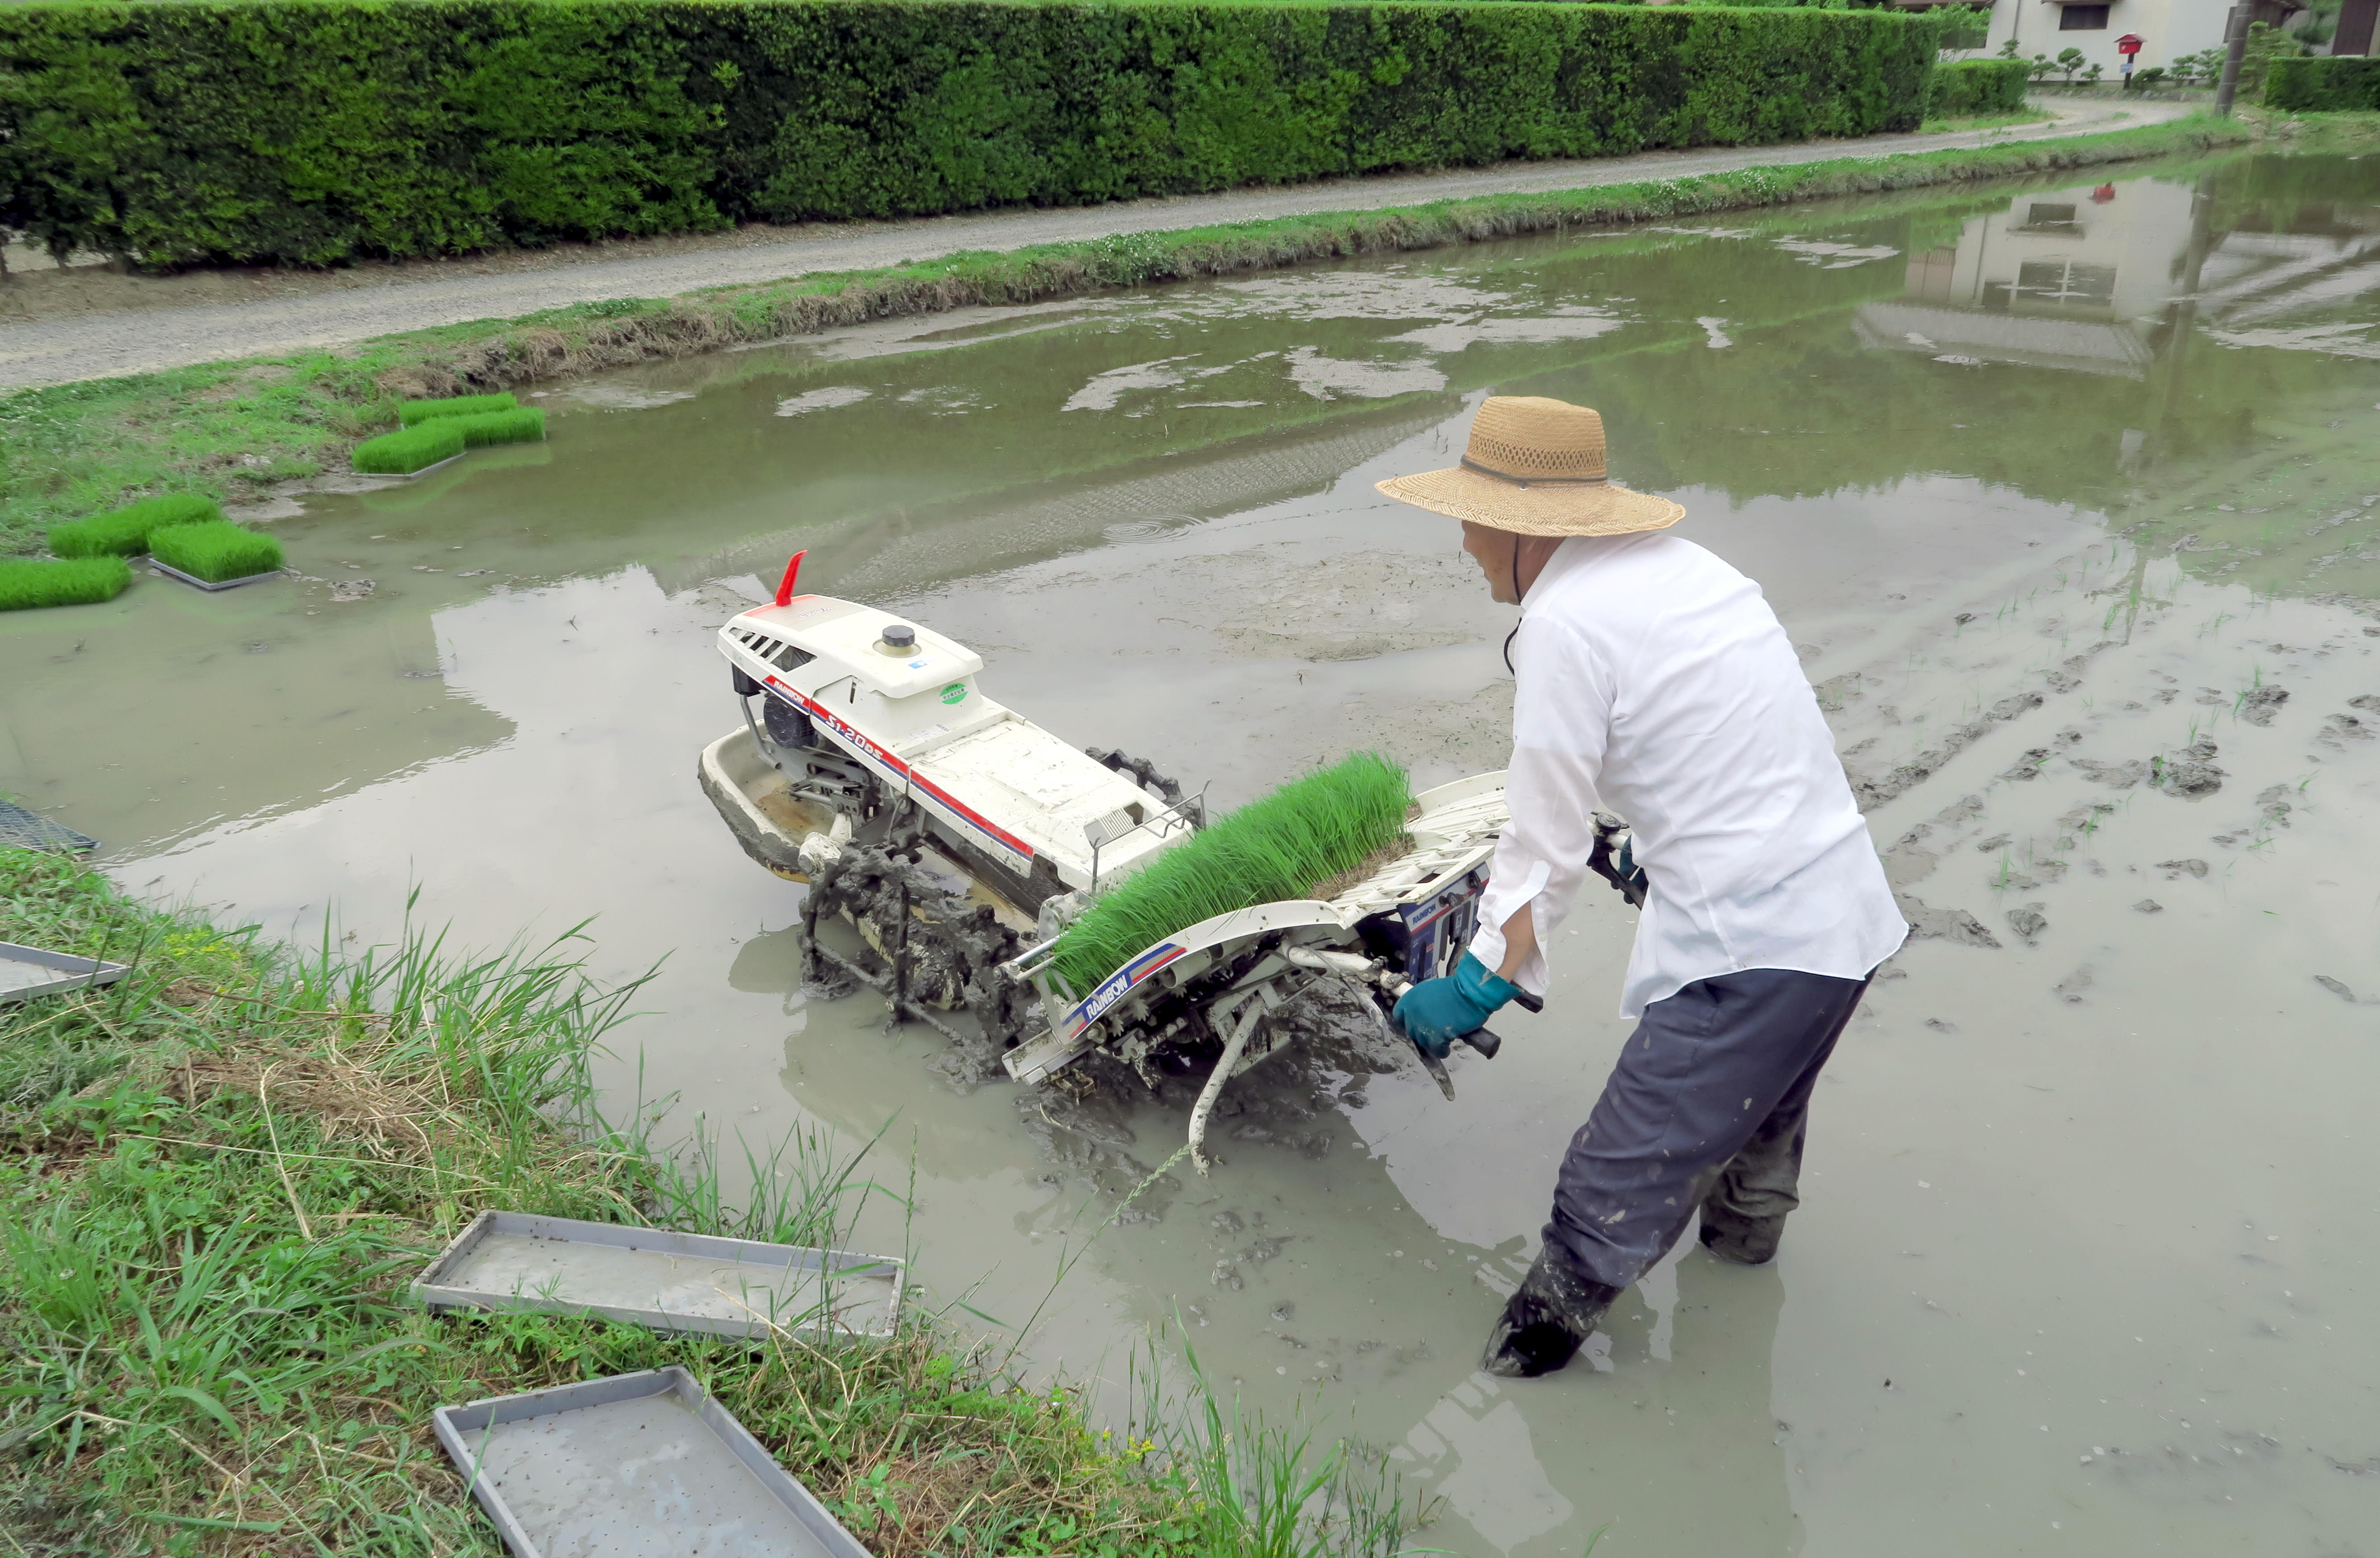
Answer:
(1653, 681)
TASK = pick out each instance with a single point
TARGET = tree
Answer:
(2070, 61)
(2042, 65)
(2091, 77)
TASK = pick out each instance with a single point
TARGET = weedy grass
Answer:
(234, 428)
(81, 581)
(1280, 846)
(216, 549)
(126, 531)
(409, 412)
(217, 1175)
(410, 448)
(486, 427)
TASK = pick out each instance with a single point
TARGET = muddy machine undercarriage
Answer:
(959, 840)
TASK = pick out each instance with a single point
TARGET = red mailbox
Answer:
(2130, 44)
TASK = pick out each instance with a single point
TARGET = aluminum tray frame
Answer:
(455, 1425)
(167, 570)
(433, 1288)
(74, 974)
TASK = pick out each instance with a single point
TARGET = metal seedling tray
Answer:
(173, 573)
(668, 1281)
(639, 1466)
(27, 971)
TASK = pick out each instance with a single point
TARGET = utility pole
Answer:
(2235, 49)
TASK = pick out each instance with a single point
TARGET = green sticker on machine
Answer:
(954, 692)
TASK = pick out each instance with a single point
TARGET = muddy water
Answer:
(2069, 497)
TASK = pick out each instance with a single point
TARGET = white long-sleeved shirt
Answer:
(1654, 682)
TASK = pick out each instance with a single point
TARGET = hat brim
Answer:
(1549, 509)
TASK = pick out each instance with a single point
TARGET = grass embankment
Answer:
(1280, 846)
(232, 429)
(217, 1175)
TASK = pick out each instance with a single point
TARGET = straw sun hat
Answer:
(1535, 467)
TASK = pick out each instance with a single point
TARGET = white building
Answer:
(2167, 29)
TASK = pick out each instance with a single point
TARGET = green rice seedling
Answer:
(518, 426)
(125, 531)
(81, 581)
(410, 449)
(1279, 847)
(216, 549)
(412, 412)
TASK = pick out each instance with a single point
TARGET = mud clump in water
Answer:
(2193, 775)
(2258, 706)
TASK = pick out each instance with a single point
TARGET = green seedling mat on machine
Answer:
(1278, 847)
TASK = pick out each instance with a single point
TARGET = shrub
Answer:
(313, 131)
(1279, 847)
(216, 549)
(1977, 86)
(412, 449)
(81, 582)
(2324, 86)
(126, 530)
(502, 426)
(413, 411)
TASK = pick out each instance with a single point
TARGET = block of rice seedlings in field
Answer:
(412, 412)
(518, 426)
(1282, 846)
(410, 448)
(80, 581)
(214, 554)
(122, 532)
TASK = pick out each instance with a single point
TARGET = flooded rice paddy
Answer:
(2071, 495)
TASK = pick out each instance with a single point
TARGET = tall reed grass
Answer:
(216, 1176)
(1280, 846)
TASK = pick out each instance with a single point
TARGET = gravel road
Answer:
(86, 321)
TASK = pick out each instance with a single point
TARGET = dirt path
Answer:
(90, 322)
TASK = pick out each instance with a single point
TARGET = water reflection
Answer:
(1988, 450)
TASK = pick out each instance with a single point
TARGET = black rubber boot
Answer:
(1746, 1241)
(1545, 1321)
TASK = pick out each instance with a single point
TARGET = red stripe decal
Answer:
(876, 753)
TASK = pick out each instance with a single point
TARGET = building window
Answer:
(2082, 18)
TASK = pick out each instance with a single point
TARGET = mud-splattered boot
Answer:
(1547, 1320)
(1746, 1241)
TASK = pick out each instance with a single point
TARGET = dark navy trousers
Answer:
(1709, 1101)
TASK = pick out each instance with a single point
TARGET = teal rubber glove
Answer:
(1436, 1013)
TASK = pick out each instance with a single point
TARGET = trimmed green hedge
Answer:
(410, 412)
(2328, 85)
(311, 132)
(126, 530)
(1977, 86)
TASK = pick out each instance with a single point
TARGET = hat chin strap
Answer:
(1524, 482)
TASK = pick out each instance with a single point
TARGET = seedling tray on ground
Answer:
(27, 971)
(639, 1466)
(173, 573)
(667, 1281)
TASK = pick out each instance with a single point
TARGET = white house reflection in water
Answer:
(2098, 279)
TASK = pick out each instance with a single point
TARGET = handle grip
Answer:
(1485, 1041)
